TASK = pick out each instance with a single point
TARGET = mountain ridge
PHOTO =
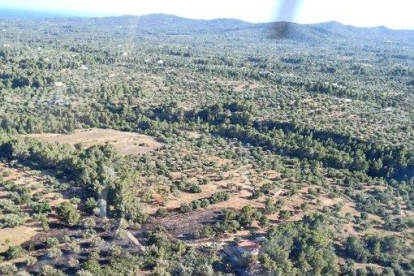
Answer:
(47, 14)
(333, 31)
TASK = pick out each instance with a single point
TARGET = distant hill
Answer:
(171, 24)
(307, 33)
(335, 31)
(163, 24)
(297, 32)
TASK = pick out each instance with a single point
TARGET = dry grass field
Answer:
(16, 236)
(127, 143)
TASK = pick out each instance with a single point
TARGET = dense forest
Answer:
(165, 146)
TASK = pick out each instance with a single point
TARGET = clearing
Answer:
(127, 143)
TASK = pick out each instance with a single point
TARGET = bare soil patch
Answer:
(127, 143)
(16, 236)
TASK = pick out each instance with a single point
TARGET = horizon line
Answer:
(85, 15)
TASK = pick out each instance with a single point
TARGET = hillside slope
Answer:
(163, 24)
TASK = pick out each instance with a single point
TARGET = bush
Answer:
(84, 273)
(185, 208)
(161, 212)
(90, 205)
(8, 269)
(74, 263)
(54, 252)
(284, 215)
(14, 252)
(31, 261)
(219, 197)
(48, 270)
(8, 206)
(40, 207)
(97, 241)
(23, 273)
(205, 232)
(89, 223)
(51, 242)
(12, 220)
(69, 213)
(195, 189)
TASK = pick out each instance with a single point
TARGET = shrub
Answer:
(69, 213)
(31, 261)
(185, 208)
(161, 212)
(23, 273)
(74, 263)
(54, 252)
(51, 242)
(89, 223)
(10, 269)
(284, 214)
(12, 220)
(40, 207)
(48, 270)
(195, 189)
(97, 241)
(90, 204)
(14, 252)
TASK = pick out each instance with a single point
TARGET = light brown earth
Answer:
(127, 143)
(16, 236)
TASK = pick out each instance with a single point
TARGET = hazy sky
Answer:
(398, 14)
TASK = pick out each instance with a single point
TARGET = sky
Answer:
(396, 14)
